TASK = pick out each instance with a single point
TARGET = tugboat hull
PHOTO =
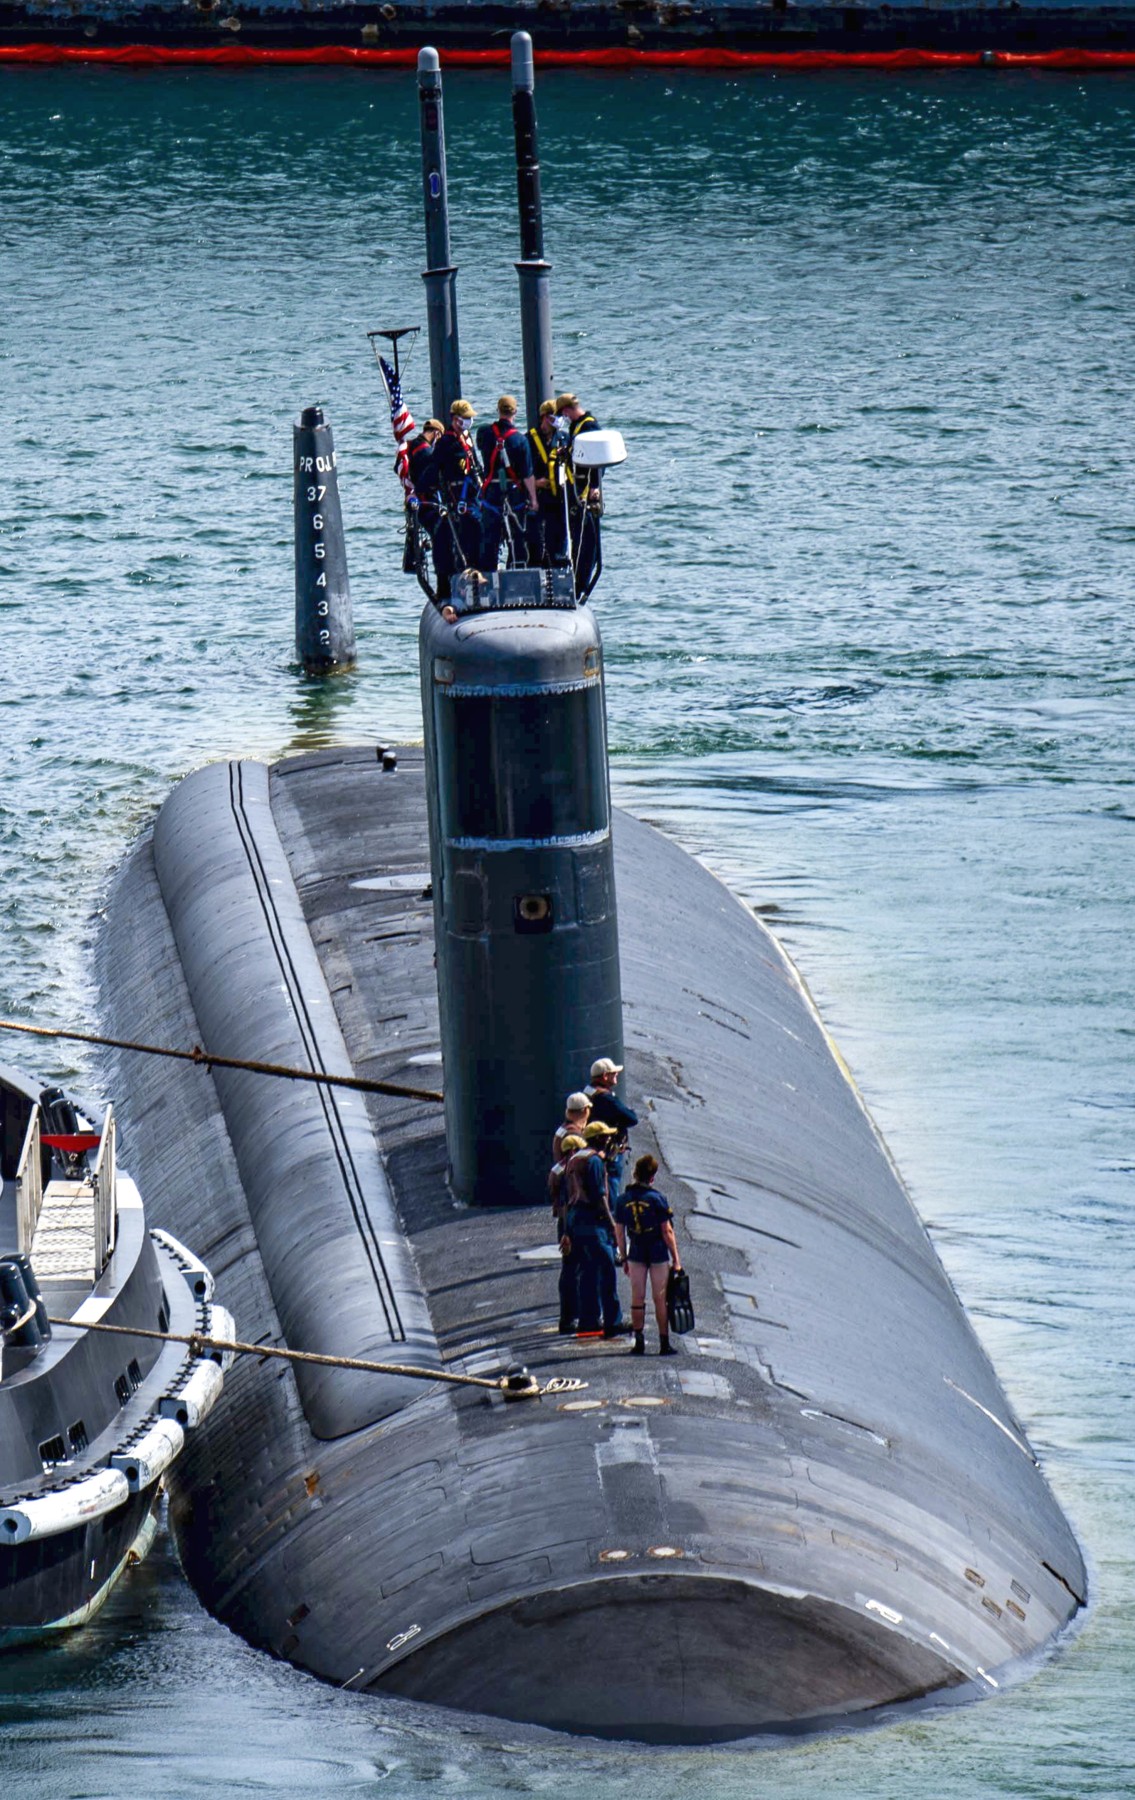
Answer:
(58, 1583)
(91, 1415)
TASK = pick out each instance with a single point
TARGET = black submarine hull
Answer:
(825, 1505)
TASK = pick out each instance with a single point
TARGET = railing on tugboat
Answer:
(102, 1182)
(29, 1185)
(105, 1190)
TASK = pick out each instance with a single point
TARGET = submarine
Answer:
(824, 1506)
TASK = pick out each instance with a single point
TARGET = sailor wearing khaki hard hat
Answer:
(457, 540)
(547, 525)
(508, 491)
(585, 499)
(608, 1109)
(577, 1111)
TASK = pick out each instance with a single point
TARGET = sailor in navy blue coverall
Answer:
(591, 1232)
(610, 1110)
(457, 540)
(509, 490)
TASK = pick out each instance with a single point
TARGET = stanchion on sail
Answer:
(89, 1423)
(417, 550)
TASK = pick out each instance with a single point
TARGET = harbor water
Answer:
(867, 609)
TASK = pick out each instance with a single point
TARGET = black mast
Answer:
(533, 270)
(440, 276)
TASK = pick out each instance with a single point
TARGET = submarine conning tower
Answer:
(518, 795)
(523, 871)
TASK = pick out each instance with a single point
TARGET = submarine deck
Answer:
(827, 1483)
(374, 935)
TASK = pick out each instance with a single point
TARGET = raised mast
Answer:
(440, 275)
(534, 272)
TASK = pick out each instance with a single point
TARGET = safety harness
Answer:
(588, 423)
(459, 492)
(499, 453)
(549, 458)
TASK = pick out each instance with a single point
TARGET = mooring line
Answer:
(519, 1385)
(207, 1060)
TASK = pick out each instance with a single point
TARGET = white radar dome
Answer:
(598, 450)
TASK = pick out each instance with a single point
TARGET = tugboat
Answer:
(824, 1504)
(91, 1417)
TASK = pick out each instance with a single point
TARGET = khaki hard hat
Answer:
(461, 409)
(604, 1066)
(571, 1143)
(598, 1133)
(547, 408)
(433, 425)
(507, 404)
(563, 401)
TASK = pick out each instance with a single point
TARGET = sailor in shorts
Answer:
(644, 1225)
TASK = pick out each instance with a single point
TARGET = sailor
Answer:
(606, 1106)
(508, 493)
(420, 453)
(644, 1224)
(547, 524)
(591, 1236)
(570, 1145)
(457, 543)
(567, 1141)
(577, 1111)
(584, 495)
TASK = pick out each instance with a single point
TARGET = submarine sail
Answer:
(822, 1506)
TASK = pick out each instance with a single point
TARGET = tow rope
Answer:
(359, 1083)
(517, 1385)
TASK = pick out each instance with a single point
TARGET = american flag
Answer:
(401, 423)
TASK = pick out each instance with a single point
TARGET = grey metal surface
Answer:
(830, 1468)
(527, 1002)
(323, 1214)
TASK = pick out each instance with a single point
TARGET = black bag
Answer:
(679, 1306)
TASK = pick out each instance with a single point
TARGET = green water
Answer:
(868, 624)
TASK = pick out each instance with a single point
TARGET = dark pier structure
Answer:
(823, 1506)
(787, 35)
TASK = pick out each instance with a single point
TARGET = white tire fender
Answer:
(64, 1510)
(151, 1455)
(196, 1399)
